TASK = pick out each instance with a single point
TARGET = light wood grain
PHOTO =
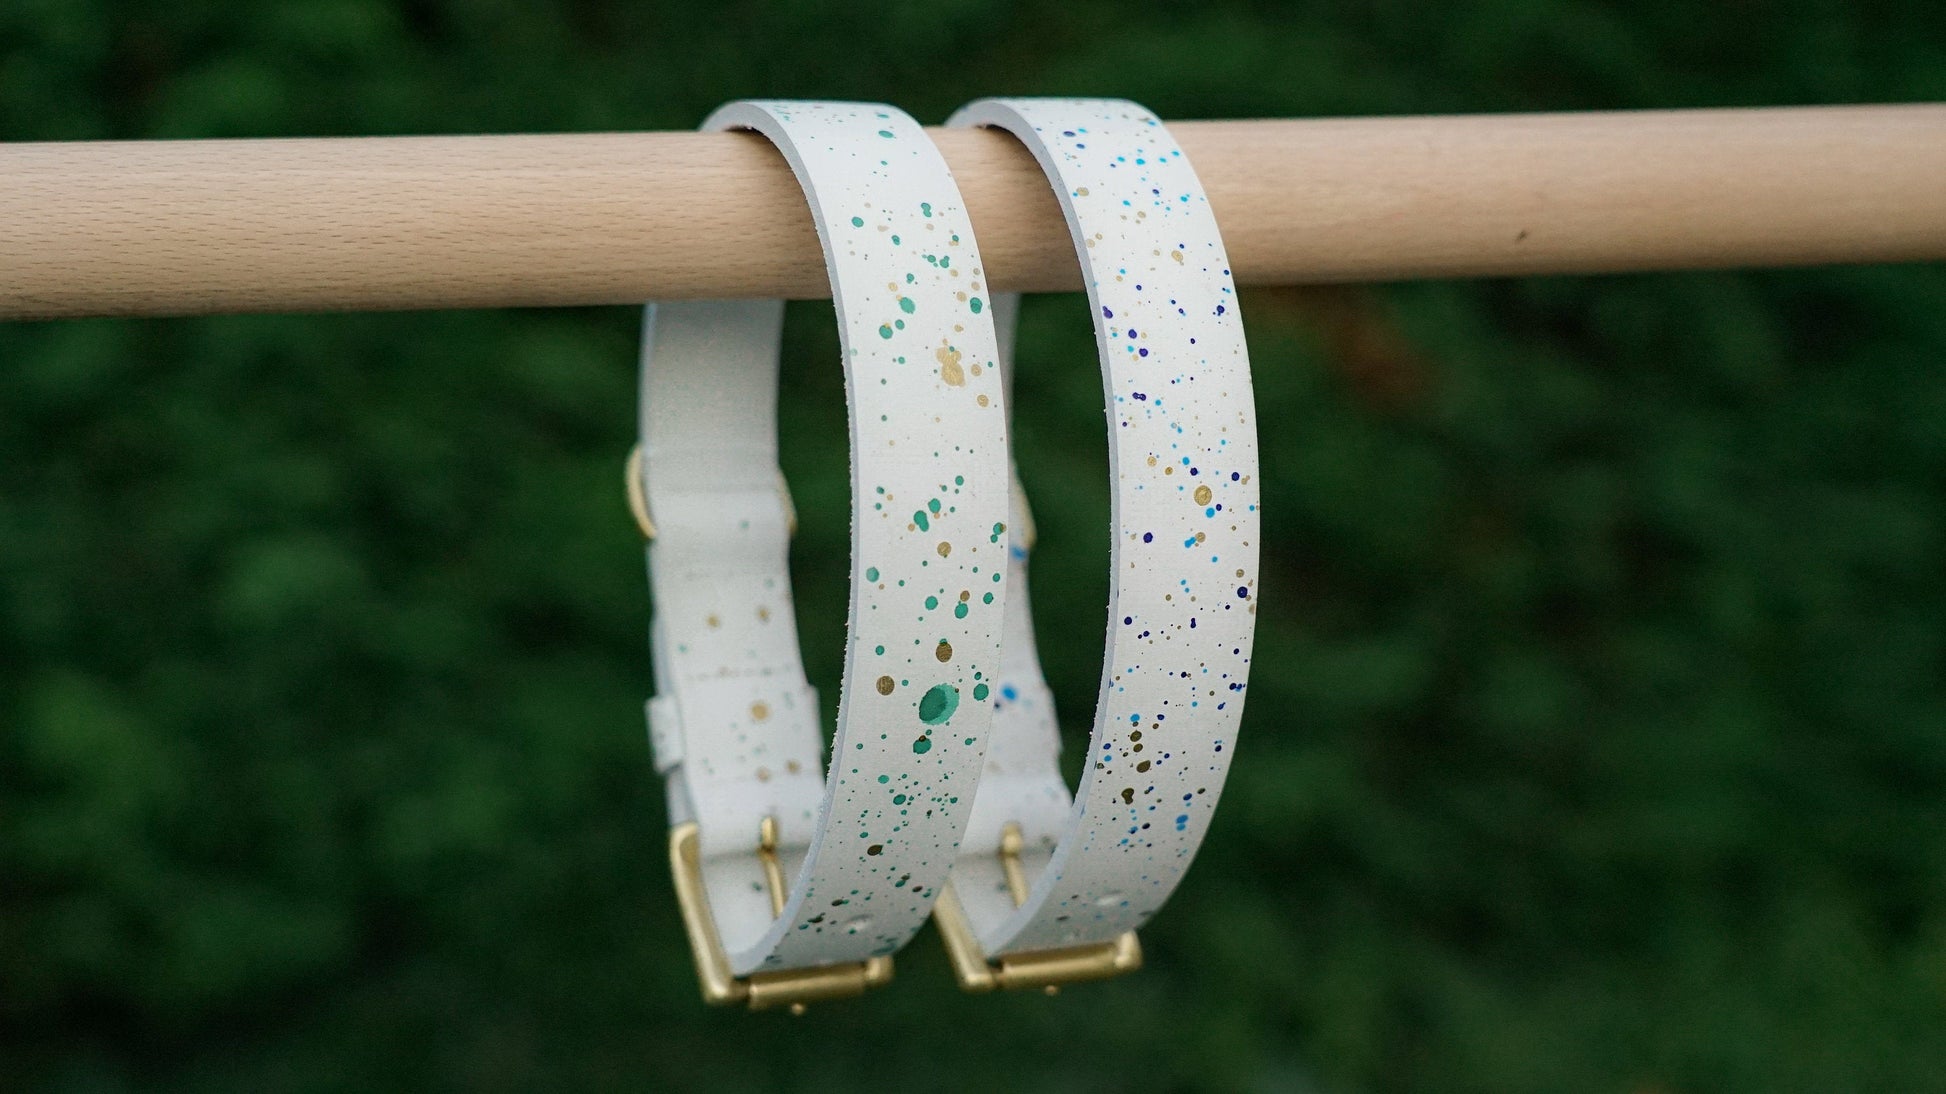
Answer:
(191, 227)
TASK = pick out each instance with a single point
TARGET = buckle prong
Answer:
(773, 870)
(1046, 970)
(1011, 843)
(791, 988)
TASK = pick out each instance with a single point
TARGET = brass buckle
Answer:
(1043, 969)
(762, 990)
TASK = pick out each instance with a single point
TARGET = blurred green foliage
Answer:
(1597, 737)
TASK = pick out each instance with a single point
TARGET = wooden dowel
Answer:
(192, 227)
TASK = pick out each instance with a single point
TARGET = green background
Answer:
(1597, 733)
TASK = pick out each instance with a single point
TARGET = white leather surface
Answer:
(1183, 463)
(734, 724)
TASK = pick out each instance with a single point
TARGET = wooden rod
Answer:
(194, 227)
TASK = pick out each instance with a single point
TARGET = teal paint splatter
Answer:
(975, 305)
(919, 518)
(858, 222)
(938, 705)
(959, 610)
(871, 573)
(906, 305)
(884, 330)
(979, 691)
(922, 745)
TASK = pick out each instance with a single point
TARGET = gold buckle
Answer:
(762, 990)
(1043, 969)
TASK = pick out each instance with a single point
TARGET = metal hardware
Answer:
(762, 990)
(1043, 969)
(773, 869)
(1011, 844)
(638, 502)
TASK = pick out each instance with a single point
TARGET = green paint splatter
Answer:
(998, 531)
(886, 133)
(923, 745)
(884, 330)
(959, 610)
(881, 651)
(933, 505)
(919, 518)
(975, 305)
(932, 602)
(871, 573)
(979, 691)
(987, 599)
(858, 222)
(906, 305)
(926, 207)
(938, 705)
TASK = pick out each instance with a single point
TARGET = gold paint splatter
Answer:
(945, 549)
(763, 615)
(1199, 537)
(976, 370)
(943, 651)
(1177, 255)
(885, 685)
(949, 369)
(759, 711)
(794, 767)
(713, 621)
(1081, 192)
(1151, 461)
(982, 400)
(1203, 494)
(965, 595)
(763, 774)
(1169, 470)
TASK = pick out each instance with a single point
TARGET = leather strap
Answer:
(734, 724)
(1183, 458)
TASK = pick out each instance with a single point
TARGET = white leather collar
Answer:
(735, 726)
(1183, 456)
